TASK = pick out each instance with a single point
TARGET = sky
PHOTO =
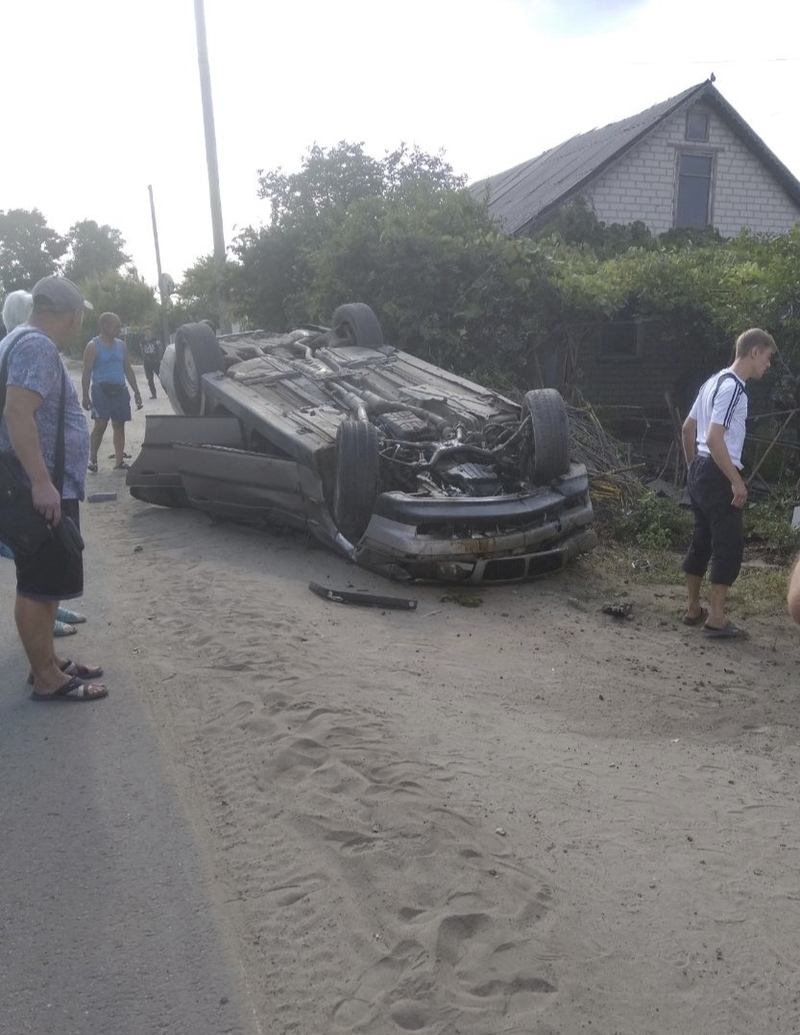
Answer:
(102, 97)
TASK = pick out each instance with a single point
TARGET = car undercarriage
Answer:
(406, 468)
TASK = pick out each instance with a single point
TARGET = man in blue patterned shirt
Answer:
(29, 429)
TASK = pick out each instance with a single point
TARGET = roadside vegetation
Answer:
(644, 544)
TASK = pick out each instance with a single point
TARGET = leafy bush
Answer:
(768, 526)
(656, 523)
(653, 522)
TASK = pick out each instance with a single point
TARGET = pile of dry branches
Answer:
(612, 479)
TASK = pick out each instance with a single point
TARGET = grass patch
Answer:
(645, 543)
(768, 527)
(651, 522)
(759, 590)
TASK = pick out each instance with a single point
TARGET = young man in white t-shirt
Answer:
(713, 438)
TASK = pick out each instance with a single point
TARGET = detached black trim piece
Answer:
(344, 596)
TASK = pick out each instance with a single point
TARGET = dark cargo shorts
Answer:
(717, 535)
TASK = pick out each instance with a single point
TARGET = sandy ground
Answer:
(519, 817)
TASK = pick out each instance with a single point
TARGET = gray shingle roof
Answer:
(521, 196)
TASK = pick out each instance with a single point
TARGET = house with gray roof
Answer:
(691, 161)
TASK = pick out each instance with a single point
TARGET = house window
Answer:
(697, 125)
(694, 190)
(620, 340)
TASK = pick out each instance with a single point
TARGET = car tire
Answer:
(197, 352)
(356, 324)
(357, 473)
(548, 414)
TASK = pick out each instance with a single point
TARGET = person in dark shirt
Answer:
(152, 351)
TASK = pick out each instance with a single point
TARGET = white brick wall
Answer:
(642, 184)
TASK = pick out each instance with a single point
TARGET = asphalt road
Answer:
(106, 921)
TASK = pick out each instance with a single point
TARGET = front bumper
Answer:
(474, 540)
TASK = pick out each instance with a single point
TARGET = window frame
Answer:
(697, 113)
(681, 176)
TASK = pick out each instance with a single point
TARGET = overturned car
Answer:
(404, 468)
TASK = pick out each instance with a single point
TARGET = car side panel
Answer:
(153, 476)
(245, 486)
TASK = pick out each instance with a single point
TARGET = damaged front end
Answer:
(459, 503)
(473, 539)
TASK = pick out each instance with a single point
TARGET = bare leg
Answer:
(56, 657)
(34, 620)
(716, 612)
(98, 430)
(118, 427)
(693, 584)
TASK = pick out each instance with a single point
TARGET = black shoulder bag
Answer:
(22, 528)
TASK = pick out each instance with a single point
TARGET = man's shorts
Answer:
(110, 401)
(52, 573)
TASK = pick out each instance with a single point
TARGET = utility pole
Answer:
(161, 280)
(211, 162)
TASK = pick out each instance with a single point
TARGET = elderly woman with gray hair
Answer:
(17, 307)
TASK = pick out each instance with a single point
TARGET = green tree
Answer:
(126, 294)
(404, 235)
(269, 271)
(196, 297)
(93, 250)
(330, 180)
(276, 264)
(427, 259)
(29, 249)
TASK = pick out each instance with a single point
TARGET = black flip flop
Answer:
(75, 668)
(75, 690)
(729, 631)
(698, 619)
